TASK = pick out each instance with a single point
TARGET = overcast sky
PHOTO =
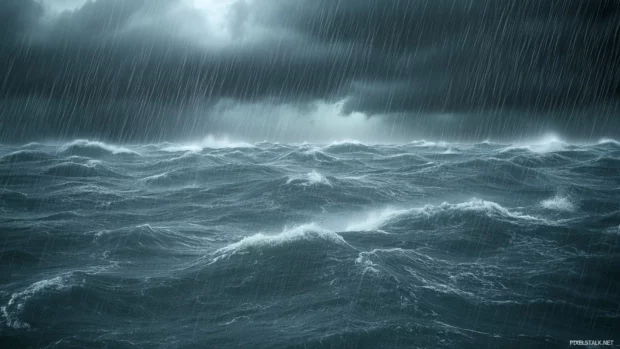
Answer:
(309, 70)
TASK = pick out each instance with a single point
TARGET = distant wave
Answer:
(84, 147)
(93, 149)
(548, 143)
(429, 144)
(346, 142)
(609, 141)
(209, 142)
(349, 147)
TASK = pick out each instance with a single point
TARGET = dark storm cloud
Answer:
(475, 55)
(151, 69)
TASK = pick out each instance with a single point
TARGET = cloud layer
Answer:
(165, 69)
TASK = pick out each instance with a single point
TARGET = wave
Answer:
(603, 166)
(309, 179)
(138, 241)
(73, 169)
(305, 155)
(83, 147)
(547, 144)
(303, 233)
(25, 156)
(346, 147)
(212, 173)
(609, 141)
(18, 300)
(351, 142)
(209, 142)
(428, 144)
(380, 220)
(156, 179)
(31, 145)
(450, 151)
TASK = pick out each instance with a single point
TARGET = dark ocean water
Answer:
(224, 245)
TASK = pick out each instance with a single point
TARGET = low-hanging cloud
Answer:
(162, 69)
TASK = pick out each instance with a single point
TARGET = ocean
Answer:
(221, 244)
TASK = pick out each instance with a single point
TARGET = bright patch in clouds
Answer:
(321, 122)
(57, 6)
(218, 15)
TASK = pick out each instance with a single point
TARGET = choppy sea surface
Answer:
(347, 245)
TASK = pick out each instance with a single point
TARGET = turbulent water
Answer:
(221, 244)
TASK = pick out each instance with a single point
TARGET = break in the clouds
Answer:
(309, 69)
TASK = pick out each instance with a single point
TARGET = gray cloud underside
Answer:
(475, 68)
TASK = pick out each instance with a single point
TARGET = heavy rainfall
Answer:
(309, 173)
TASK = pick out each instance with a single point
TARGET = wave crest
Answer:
(558, 203)
(25, 156)
(19, 299)
(83, 147)
(310, 179)
(209, 142)
(379, 219)
(73, 169)
(307, 232)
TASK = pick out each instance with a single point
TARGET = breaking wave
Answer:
(209, 142)
(380, 219)
(93, 149)
(16, 303)
(309, 179)
(303, 233)
(558, 203)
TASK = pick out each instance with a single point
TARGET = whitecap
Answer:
(547, 144)
(31, 145)
(209, 142)
(376, 219)
(309, 179)
(558, 203)
(345, 142)
(425, 143)
(19, 299)
(156, 177)
(608, 141)
(450, 151)
(94, 145)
